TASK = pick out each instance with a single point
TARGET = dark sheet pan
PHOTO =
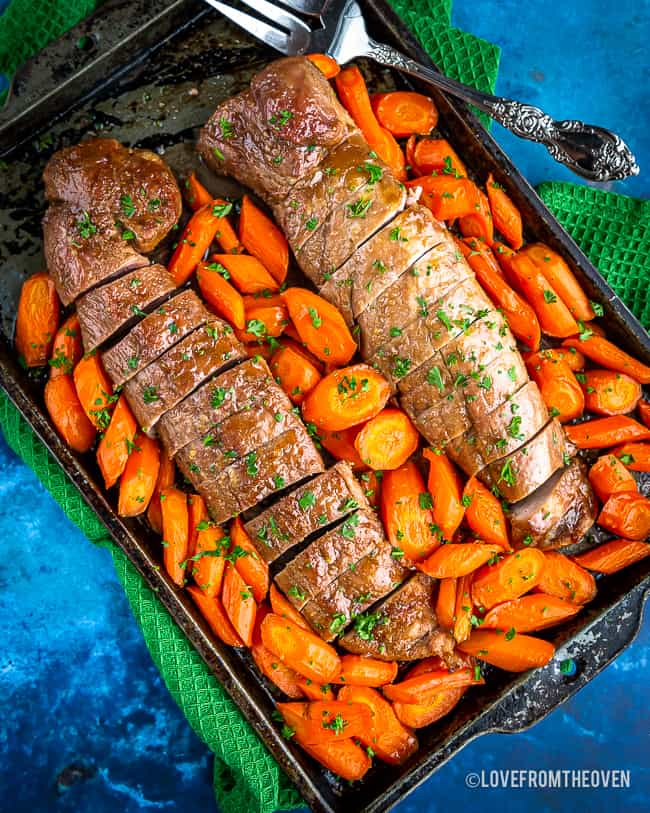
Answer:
(149, 73)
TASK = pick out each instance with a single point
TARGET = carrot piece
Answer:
(626, 513)
(321, 327)
(609, 476)
(139, 477)
(603, 432)
(346, 397)
(569, 355)
(95, 390)
(326, 65)
(614, 555)
(404, 113)
(263, 239)
(285, 609)
(446, 196)
(353, 93)
(195, 193)
(644, 412)
(479, 222)
(514, 653)
(117, 442)
(610, 393)
(386, 736)
(334, 721)
(634, 456)
(340, 444)
(315, 691)
(422, 688)
(288, 681)
(67, 414)
(454, 560)
(529, 613)
(419, 715)
(67, 350)
(238, 602)
(262, 322)
(166, 477)
(247, 273)
(505, 214)
(265, 299)
(300, 649)
(484, 514)
(387, 440)
(560, 277)
(294, 372)
(176, 533)
(437, 155)
(250, 566)
(198, 518)
(511, 577)
(360, 671)
(371, 484)
(195, 240)
(522, 319)
(208, 558)
(404, 509)
(446, 490)
(563, 578)
(223, 298)
(446, 602)
(409, 151)
(558, 385)
(606, 354)
(463, 609)
(212, 610)
(37, 319)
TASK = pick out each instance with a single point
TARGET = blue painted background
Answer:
(86, 723)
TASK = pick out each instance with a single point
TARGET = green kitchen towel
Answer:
(613, 230)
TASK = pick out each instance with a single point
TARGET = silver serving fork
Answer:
(339, 30)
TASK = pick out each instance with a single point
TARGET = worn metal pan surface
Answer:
(150, 73)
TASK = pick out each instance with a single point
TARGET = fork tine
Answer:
(279, 15)
(274, 37)
(312, 8)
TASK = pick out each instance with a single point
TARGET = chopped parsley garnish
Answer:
(132, 363)
(395, 331)
(396, 235)
(297, 593)
(311, 223)
(397, 553)
(85, 226)
(226, 128)
(221, 209)
(425, 500)
(252, 468)
(336, 724)
(281, 119)
(365, 623)
(127, 206)
(374, 171)
(316, 321)
(434, 378)
(401, 367)
(379, 265)
(307, 500)
(150, 395)
(338, 622)
(218, 397)
(256, 328)
(507, 475)
(359, 208)
(513, 428)
(597, 308)
(549, 296)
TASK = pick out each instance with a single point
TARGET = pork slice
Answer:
(425, 386)
(311, 507)
(325, 559)
(106, 310)
(243, 387)
(175, 374)
(403, 627)
(155, 334)
(81, 252)
(444, 421)
(489, 387)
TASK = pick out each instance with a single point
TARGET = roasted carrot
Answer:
(300, 649)
(116, 443)
(67, 414)
(386, 736)
(285, 609)
(424, 687)
(294, 371)
(263, 239)
(511, 577)
(614, 555)
(560, 277)
(37, 320)
(195, 240)
(479, 222)
(346, 397)
(326, 65)
(446, 490)
(409, 152)
(447, 197)
(212, 610)
(418, 715)
(484, 514)
(195, 193)
(263, 322)
(371, 484)
(360, 671)
(166, 477)
(626, 514)
(224, 299)
(321, 327)
(95, 390)
(176, 533)
(446, 602)
(603, 432)
(644, 412)
(454, 560)
(558, 385)
(67, 349)
(404, 113)
(340, 444)
(610, 393)
(563, 578)
(208, 559)
(250, 566)
(437, 155)
(387, 440)
(315, 691)
(512, 652)
(334, 720)
(197, 518)
(238, 602)
(463, 609)
(505, 214)
(353, 93)
(406, 512)
(529, 613)
(277, 672)
(247, 273)
(634, 456)
(575, 360)
(606, 354)
(139, 477)
(609, 476)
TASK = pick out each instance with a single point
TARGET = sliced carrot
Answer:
(514, 653)
(340, 444)
(575, 360)
(419, 715)
(446, 602)
(95, 390)
(315, 691)
(300, 649)
(610, 393)
(195, 193)
(294, 372)
(558, 385)
(455, 560)
(195, 240)
(67, 350)
(409, 150)
(176, 533)
(644, 412)
(67, 414)
(166, 477)
(484, 513)
(387, 440)
(626, 514)
(263, 322)
(208, 559)
(529, 613)
(212, 610)
(326, 65)
(37, 319)
(263, 239)
(563, 578)
(371, 484)
(404, 113)
(238, 602)
(277, 672)
(614, 555)
(285, 609)
(505, 214)
(320, 325)
(360, 671)
(560, 277)
(609, 476)
(334, 720)
(139, 477)
(446, 490)
(424, 687)
(117, 442)
(250, 566)
(437, 155)
(464, 609)
(406, 513)
(224, 299)
(603, 432)
(634, 456)
(606, 354)
(198, 518)
(247, 273)
(479, 222)
(447, 197)
(511, 577)
(346, 397)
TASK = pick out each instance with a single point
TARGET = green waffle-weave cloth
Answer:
(613, 230)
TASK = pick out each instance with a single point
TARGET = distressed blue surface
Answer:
(77, 685)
